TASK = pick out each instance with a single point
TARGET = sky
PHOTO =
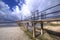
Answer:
(15, 9)
(10, 9)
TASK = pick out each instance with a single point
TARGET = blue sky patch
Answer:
(13, 3)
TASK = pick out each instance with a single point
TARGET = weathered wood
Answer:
(33, 29)
(41, 28)
(27, 26)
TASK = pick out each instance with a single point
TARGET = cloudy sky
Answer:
(11, 9)
(14, 9)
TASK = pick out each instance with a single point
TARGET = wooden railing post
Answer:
(41, 28)
(27, 26)
(33, 29)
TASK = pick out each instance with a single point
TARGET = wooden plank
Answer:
(44, 20)
(27, 26)
(33, 29)
(41, 28)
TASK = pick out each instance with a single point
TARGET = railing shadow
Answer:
(53, 32)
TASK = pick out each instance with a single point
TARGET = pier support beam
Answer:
(33, 29)
(27, 26)
(41, 28)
